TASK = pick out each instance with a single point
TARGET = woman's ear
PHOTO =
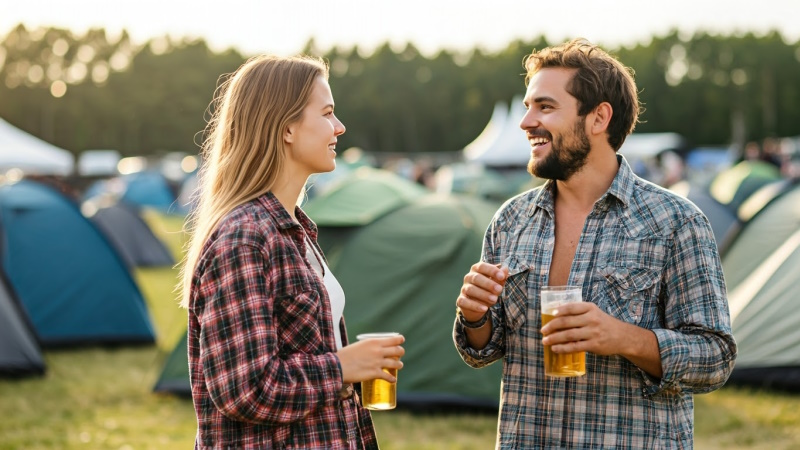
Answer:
(288, 135)
(602, 117)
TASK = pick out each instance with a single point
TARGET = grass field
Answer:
(99, 398)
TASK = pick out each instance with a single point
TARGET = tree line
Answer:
(95, 91)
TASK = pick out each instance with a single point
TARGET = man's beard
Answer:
(567, 155)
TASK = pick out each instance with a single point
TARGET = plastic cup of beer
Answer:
(561, 364)
(379, 394)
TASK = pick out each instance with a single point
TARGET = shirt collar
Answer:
(621, 188)
(282, 217)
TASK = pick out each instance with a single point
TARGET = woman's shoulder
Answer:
(247, 224)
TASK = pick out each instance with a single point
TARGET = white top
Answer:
(335, 291)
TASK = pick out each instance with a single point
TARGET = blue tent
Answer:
(19, 351)
(70, 281)
(146, 188)
(149, 188)
(128, 233)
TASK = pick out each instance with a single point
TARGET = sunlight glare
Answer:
(58, 89)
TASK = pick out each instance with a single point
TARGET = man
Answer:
(654, 321)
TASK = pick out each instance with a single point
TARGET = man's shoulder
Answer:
(665, 209)
(653, 194)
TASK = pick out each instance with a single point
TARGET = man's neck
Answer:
(586, 186)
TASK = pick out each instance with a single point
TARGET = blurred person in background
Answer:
(654, 319)
(752, 151)
(269, 359)
(770, 152)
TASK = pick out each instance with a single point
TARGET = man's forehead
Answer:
(549, 82)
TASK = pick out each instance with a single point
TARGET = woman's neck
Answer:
(287, 190)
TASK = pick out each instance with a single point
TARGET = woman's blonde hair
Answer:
(243, 150)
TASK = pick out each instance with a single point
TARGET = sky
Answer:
(284, 26)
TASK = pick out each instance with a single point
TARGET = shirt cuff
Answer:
(674, 356)
(486, 355)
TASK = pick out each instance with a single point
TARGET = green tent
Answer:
(761, 236)
(401, 255)
(733, 186)
(761, 270)
(175, 374)
(362, 197)
(403, 273)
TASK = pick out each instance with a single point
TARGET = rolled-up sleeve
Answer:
(696, 344)
(248, 377)
(495, 349)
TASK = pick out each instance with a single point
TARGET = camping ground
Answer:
(100, 398)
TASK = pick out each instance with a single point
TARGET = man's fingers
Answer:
(570, 347)
(468, 304)
(493, 271)
(484, 283)
(477, 293)
(564, 336)
(562, 323)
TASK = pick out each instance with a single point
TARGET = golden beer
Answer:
(379, 394)
(562, 364)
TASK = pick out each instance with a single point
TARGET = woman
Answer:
(269, 361)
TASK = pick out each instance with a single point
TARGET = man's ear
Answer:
(601, 118)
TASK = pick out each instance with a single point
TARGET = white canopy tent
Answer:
(20, 150)
(506, 147)
(477, 148)
(650, 145)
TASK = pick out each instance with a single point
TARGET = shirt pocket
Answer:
(298, 323)
(630, 292)
(514, 298)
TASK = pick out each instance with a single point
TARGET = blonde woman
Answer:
(269, 359)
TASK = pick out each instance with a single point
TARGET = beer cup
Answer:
(560, 364)
(379, 394)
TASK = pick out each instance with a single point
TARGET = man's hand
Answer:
(584, 327)
(482, 285)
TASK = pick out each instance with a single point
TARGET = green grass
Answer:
(101, 399)
(95, 399)
(98, 398)
(745, 418)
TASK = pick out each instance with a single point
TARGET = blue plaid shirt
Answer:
(646, 256)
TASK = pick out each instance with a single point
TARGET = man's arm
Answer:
(694, 349)
(481, 288)
(481, 341)
(696, 344)
(584, 327)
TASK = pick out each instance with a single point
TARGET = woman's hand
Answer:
(364, 360)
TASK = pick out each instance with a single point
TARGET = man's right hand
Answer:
(482, 285)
